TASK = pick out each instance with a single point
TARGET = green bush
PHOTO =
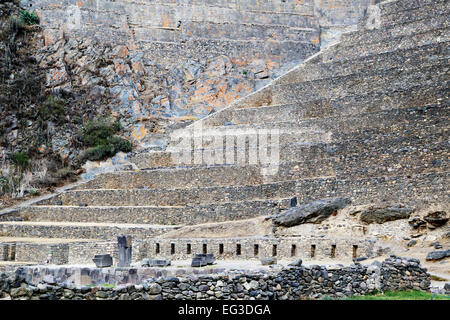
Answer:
(99, 152)
(120, 144)
(97, 132)
(29, 18)
(99, 136)
(21, 160)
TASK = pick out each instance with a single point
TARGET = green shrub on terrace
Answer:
(99, 136)
(29, 18)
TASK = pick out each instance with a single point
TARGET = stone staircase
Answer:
(366, 119)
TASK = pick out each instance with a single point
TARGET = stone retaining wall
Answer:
(251, 248)
(290, 283)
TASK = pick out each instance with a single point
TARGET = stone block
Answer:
(103, 260)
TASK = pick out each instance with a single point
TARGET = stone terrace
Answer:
(366, 118)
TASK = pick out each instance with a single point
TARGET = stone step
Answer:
(172, 197)
(418, 56)
(188, 214)
(422, 12)
(391, 7)
(415, 96)
(411, 135)
(415, 189)
(428, 158)
(387, 80)
(330, 132)
(344, 52)
(192, 177)
(365, 36)
(80, 230)
(350, 126)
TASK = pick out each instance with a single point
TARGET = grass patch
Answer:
(29, 18)
(21, 160)
(401, 295)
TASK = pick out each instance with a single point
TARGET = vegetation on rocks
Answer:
(29, 18)
(99, 136)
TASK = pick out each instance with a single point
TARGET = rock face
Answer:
(385, 214)
(438, 255)
(437, 219)
(314, 212)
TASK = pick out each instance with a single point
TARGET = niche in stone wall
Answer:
(293, 250)
(313, 250)
(255, 250)
(355, 251)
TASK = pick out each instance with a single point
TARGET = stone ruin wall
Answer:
(394, 273)
(173, 61)
(81, 252)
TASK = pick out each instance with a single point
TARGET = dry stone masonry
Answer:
(291, 283)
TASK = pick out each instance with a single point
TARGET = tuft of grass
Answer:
(21, 160)
(29, 18)
(402, 295)
(35, 192)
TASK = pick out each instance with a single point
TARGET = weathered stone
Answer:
(416, 222)
(154, 289)
(384, 214)
(437, 219)
(296, 263)
(411, 243)
(438, 255)
(314, 212)
(268, 261)
(103, 260)
(125, 251)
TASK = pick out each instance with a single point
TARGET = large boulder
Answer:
(437, 219)
(313, 212)
(384, 214)
(438, 255)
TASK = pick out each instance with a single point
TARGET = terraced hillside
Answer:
(366, 119)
